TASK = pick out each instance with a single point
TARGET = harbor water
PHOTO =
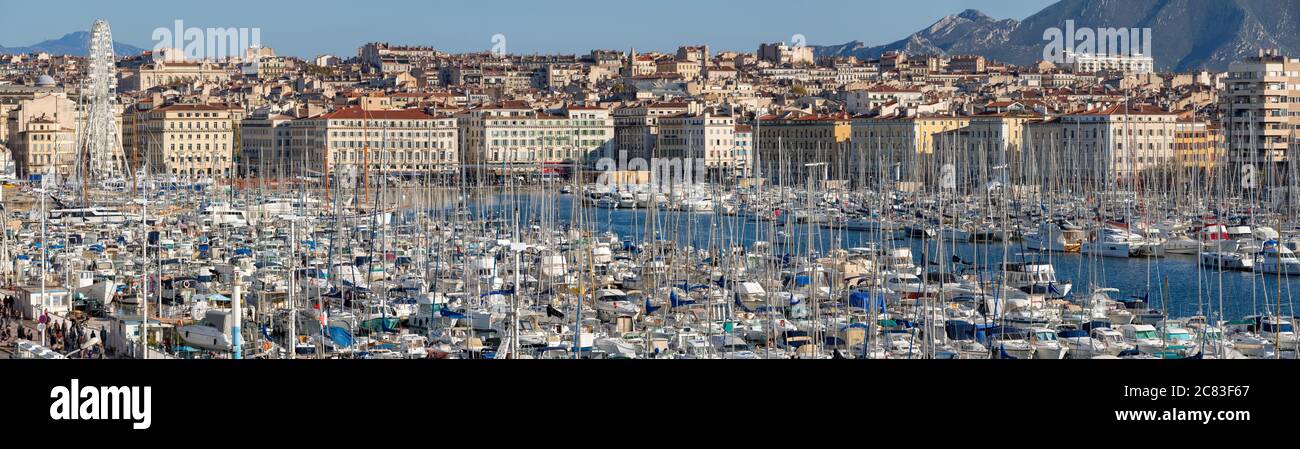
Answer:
(1191, 289)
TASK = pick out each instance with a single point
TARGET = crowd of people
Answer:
(63, 336)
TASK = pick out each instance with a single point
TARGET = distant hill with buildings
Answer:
(1187, 35)
(76, 44)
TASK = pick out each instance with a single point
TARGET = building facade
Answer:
(512, 136)
(786, 144)
(705, 137)
(1261, 108)
(189, 141)
(636, 127)
(355, 142)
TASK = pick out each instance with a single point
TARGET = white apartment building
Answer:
(1092, 63)
(1261, 107)
(512, 136)
(1102, 145)
(353, 141)
(189, 140)
(706, 136)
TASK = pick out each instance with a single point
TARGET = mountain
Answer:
(969, 32)
(76, 44)
(1186, 35)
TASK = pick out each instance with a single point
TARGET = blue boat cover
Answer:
(340, 336)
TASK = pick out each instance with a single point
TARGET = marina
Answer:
(562, 269)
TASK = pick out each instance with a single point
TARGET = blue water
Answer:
(1240, 293)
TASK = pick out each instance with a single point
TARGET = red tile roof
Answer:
(356, 112)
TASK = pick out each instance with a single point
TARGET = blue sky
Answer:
(558, 26)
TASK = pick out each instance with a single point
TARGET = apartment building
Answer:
(1197, 144)
(511, 136)
(375, 54)
(900, 147)
(1092, 63)
(862, 101)
(188, 140)
(686, 69)
(147, 76)
(786, 143)
(989, 149)
(1111, 144)
(265, 144)
(780, 53)
(353, 141)
(42, 135)
(636, 127)
(1261, 107)
(706, 137)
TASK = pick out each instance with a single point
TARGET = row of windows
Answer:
(193, 159)
(531, 133)
(198, 125)
(359, 156)
(199, 146)
(198, 136)
(425, 134)
(529, 155)
(547, 142)
(392, 123)
(393, 144)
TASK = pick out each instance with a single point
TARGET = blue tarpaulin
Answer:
(965, 330)
(450, 314)
(675, 301)
(862, 300)
(340, 336)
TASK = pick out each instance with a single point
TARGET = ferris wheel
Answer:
(103, 152)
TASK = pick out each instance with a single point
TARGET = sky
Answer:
(339, 27)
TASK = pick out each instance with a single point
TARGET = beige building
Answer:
(512, 136)
(707, 137)
(360, 142)
(1102, 145)
(1092, 63)
(900, 148)
(643, 65)
(1198, 144)
(42, 135)
(862, 101)
(189, 140)
(266, 149)
(697, 53)
(686, 69)
(636, 127)
(785, 143)
(988, 149)
(146, 76)
(375, 54)
(1261, 107)
(780, 53)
